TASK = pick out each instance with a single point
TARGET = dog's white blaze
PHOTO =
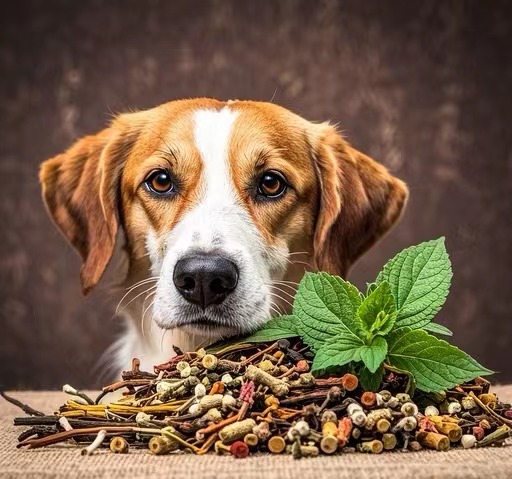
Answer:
(219, 223)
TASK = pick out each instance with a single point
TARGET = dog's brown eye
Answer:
(271, 185)
(160, 182)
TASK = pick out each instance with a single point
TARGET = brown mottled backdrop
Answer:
(422, 86)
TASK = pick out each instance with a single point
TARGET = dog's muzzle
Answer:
(205, 279)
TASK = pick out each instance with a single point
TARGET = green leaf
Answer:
(277, 328)
(374, 354)
(435, 364)
(326, 306)
(437, 329)
(420, 278)
(377, 312)
(336, 351)
(371, 381)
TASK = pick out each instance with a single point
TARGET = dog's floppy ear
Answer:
(80, 189)
(359, 201)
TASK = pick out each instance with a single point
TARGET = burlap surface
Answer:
(66, 462)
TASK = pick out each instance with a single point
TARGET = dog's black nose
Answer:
(205, 279)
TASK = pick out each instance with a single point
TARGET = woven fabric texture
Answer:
(64, 461)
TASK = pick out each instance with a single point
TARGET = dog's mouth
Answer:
(206, 325)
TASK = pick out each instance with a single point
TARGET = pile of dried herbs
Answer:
(344, 372)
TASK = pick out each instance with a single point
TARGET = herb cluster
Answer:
(388, 327)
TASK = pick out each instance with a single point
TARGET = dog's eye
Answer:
(272, 185)
(160, 182)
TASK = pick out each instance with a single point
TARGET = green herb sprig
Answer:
(388, 327)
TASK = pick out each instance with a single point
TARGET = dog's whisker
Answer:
(298, 252)
(133, 299)
(136, 285)
(284, 291)
(145, 311)
(162, 340)
(282, 299)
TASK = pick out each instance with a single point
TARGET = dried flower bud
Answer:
(431, 411)
(478, 432)
(302, 427)
(468, 403)
(143, 420)
(201, 353)
(408, 424)
(403, 397)
(379, 400)
(484, 424)
(468, 441)
(409, 409)
(302, 366)
(353, 407)
(262, 431)
(194, 409)
(267, 366)
(393, 403)
(329, 416)
(181, 365)
(226, 378)
(358, 418)
(307, 379)
(489, 400)
(199, 391)
(386, 395)
(454, 408)
(211, 401)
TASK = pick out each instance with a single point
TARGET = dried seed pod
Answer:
(468, 441)
(267, 366)
(276, 444)
(302, 427)
(228, 401)
(277, 386)
(237, 430)
(119, 445)
(484, 424)
(433, 440)
(375, 446)
(186, 371)
(383, 413)
(226, 378)
(213, 415)
(211, 401)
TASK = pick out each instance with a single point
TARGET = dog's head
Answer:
(214, 199)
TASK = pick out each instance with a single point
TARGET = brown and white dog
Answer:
(218, 201)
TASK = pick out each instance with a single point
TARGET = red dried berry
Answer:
(239, 449)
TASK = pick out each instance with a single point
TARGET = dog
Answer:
(223, 206)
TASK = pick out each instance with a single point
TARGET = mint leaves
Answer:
(386, 329)
(434, 364)
(419, 278)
